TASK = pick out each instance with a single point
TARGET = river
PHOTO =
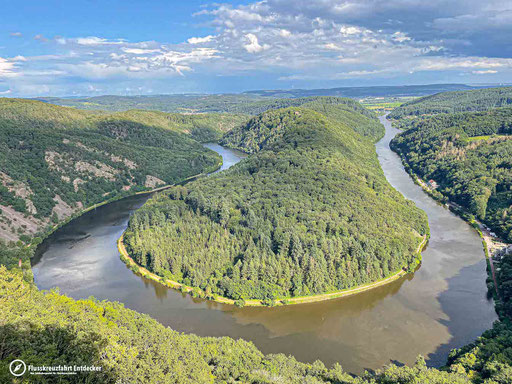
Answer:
(441, 307)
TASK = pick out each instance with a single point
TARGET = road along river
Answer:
(441, 307)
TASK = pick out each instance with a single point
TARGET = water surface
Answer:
(441, 307)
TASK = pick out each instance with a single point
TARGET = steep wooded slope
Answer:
(469, 155)
(55, 160)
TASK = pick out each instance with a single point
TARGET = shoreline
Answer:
(197, 292)
(461, 212)
(82, 212)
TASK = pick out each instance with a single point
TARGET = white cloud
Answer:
(332, 47)
(41, 38)
(91, 40)
(200, 40)
(285, 33)
(8, 67)
(400, 37)
(139, 51)
(449, 63)
(485, 72)
(254, 46)
(348, 30)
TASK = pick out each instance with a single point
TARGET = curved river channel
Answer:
(441, 307)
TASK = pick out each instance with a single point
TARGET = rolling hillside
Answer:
(452, 102)
(56, 161)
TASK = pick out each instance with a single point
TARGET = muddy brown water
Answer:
(442, 306)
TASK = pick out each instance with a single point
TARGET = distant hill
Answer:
(252, 102)
(55, 161)
(164, 103)
(360, 92)
(459, 101)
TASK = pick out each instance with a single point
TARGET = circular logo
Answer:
(17, 367)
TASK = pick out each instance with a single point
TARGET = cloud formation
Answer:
(289, 41)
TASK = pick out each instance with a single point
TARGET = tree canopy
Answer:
(309, 212)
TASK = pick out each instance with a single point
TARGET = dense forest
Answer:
(309, 212)
(55, 160)
(469, 155)
(452, 102)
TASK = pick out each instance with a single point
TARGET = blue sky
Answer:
(59, 48)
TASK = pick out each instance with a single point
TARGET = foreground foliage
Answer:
(309, 212)
(130, 347)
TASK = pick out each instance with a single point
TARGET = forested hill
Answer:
(250, 137)
(55, 160)
(458, 101)
(469, 155)
(309, 212)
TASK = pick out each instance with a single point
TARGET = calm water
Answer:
(442, 307)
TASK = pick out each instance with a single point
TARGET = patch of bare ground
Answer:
(14, 223)
(152, 181)
(62, 209)
(99, 169)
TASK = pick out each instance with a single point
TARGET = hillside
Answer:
(337, 109)
(309, 212)
(452, 102)
(208, 103)
(469, 155)
(55, 161)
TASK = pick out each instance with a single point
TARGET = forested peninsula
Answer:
(309, 212)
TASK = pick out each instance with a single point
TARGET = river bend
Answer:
(441, 307)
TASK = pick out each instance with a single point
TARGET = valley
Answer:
(259, 232)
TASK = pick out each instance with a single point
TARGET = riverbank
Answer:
(196, 292)
(32, 245)
(489, 243)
